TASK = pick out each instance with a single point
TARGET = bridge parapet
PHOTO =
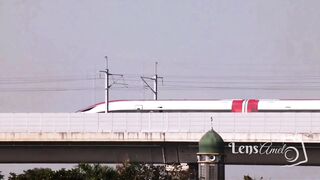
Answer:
(251, 127)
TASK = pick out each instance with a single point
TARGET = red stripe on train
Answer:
(253, 105)
(237, 105)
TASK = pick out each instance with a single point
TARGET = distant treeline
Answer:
(125, 171)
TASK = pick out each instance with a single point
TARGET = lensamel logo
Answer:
(291, 153)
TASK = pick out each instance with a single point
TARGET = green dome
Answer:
(211, 142)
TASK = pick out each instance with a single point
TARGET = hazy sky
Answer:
(51, 51)
(205, 49)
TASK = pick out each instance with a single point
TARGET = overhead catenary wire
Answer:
(165, 88)
(303, 82)
(136, 77)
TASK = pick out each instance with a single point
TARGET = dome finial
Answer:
(211, 123)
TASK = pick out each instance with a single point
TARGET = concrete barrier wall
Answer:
(165, 127)
(161, 122)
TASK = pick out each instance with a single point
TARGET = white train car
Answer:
(163, 106)
(233, 105)
(172, 106)
(289, 106)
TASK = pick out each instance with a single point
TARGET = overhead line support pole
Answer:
(107, 84)
(155, 83)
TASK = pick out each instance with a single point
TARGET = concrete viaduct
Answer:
(156, 137)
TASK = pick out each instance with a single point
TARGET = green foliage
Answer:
(1, 176)
(128, 170)
(37, 173)
(178, 173)
(72, 174)
(97, 172)
(140, 171)
(247, 177)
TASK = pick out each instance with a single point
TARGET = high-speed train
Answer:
(232, 105)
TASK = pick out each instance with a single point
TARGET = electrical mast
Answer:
(155, 82)
(107, 84)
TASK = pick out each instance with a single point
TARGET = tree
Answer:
(71, 174)
(36, 173)
(139, 171)
(128, 170)
(97, 172)
(247, 177)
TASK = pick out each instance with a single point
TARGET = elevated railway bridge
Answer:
(154, 137)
